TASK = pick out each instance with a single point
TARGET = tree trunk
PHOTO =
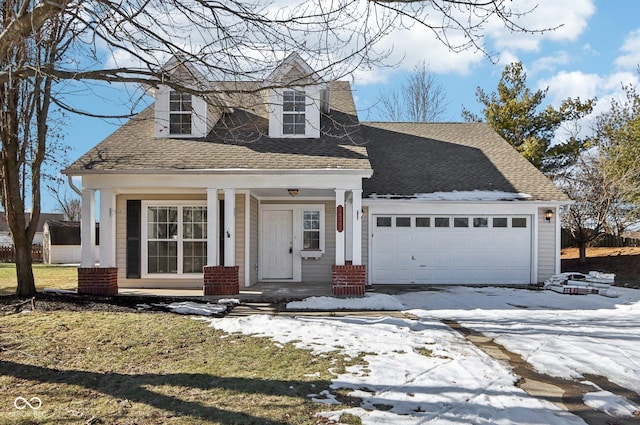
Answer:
(583, 253)
(24, 271)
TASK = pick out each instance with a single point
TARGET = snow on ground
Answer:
(416, 371)
(611, 404)
(370, 301)
(561, 335)
(421, 371)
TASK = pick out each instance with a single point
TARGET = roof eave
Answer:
(364, 172)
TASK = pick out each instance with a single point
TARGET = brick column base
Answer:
(348, 280)
(98, 280)
(221, 280)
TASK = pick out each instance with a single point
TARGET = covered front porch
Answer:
(263, 228)
(268, 292)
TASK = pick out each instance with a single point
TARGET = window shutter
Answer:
(134, 208)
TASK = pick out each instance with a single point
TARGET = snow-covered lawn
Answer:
(421, 371)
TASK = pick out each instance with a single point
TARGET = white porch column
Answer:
(107, 228)
(229, 227)
(88, 229)
(212, 227)
(339, 227)
(356, 219)
(348, 229)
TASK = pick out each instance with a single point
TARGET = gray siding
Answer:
(320, 270)
(365, 240)
(547, 249)
(253, 255)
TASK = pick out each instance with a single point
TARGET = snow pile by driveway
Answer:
(380, 302)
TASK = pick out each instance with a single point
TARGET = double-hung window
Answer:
(311, 230)
(176, 239)
(179, 113)
(293, 112)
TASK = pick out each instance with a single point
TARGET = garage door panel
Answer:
(451, 255)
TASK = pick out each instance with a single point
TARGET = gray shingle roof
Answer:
(407, 158)
(238, 141)
(416, 158)
(4, 226)
(68, 232)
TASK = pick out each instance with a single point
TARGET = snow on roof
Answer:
(473, 195)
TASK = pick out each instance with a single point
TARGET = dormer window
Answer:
(293, 112)
(180, 112)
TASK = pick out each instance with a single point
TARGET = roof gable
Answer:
(293, 71)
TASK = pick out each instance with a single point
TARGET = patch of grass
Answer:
(349, 419)
(46, 276)
(126, 368)
(424, 351)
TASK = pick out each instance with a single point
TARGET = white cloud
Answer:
(571, 22)
(550, 63)
(630, 57)
(507, 57)
(571, 84)
(411, 46)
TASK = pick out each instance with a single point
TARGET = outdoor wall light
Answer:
(548, 215)
(292, 192)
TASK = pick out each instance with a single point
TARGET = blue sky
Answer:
(596, 49)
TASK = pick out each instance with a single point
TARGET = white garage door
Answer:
(451, 249)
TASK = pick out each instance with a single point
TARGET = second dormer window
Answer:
(179, 113)
(293, 112)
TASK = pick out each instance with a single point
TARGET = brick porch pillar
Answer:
(98, 280)
(348, 280)
(221, 280)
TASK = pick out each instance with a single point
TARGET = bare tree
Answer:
(70, 206)
(600, 198)
(24, 114)
(420, 99)
(47, 46)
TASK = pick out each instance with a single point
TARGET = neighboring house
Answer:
(5, 234)
(285, 184)
(61, 242)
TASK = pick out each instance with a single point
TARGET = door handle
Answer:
(290, 250)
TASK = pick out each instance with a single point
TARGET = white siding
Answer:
(547, 247)
(66, 254)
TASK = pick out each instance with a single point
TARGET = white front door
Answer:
(277, 244)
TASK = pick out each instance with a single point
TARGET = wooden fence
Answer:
(601, 241)
(8, 254)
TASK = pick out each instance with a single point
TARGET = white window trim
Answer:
(180, 112)
(144, 249)
(295, 113)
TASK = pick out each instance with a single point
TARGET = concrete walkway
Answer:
(565, 393)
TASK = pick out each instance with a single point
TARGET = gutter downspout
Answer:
(73, 186)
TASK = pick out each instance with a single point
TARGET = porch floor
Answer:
(260, 292)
